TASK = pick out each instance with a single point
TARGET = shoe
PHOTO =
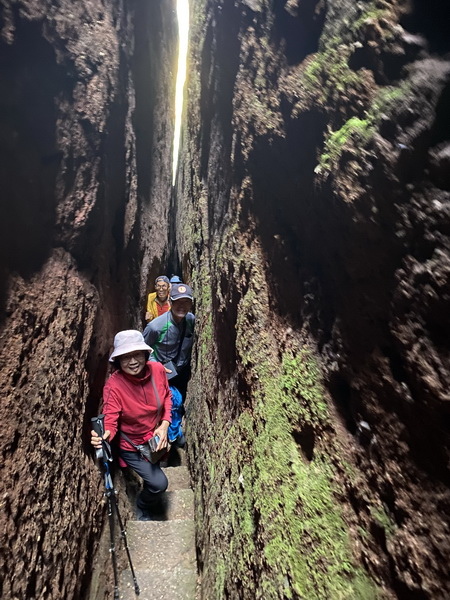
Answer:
(154, 510)
(143, 506)
(146, 516)
(143, 510)
(145, 513)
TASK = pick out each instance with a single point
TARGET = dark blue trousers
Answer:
(155, 480)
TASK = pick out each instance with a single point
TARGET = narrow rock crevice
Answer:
(310, 215)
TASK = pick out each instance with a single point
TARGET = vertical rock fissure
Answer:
(312, 203)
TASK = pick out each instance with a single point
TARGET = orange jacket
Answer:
(152, 307)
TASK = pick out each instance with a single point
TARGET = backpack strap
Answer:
(158, 399)
(125, 437)
(158, 403)
(143, 449)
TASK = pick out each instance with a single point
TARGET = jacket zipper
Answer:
(145, 395)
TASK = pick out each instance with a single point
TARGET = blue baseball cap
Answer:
(180, 290)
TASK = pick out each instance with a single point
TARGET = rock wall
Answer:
(80, 236)
(313, 216)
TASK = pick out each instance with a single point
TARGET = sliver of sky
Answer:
(183, 36)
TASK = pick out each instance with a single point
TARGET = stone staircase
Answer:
(163, 551)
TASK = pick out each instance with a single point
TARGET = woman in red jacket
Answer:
(137, 404)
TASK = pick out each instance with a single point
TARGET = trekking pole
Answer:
(104, 454)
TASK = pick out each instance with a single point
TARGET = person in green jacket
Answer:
(171, 336)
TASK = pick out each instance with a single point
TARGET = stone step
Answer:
(178, 504)
(162, 544)
(163, 551)
(178, 478)
(160, 584)
(177, 457)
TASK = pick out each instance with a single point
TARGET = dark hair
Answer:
(162, 278)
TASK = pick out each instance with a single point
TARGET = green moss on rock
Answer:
(275, 508)
(305, 537)
(359, 131)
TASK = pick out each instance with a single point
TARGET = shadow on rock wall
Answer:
(285, 206)
(216, 106)
(31, 80)
(299, 25)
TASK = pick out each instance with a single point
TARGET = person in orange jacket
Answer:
(158, 302)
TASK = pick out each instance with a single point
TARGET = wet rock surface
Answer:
(313, 222)
(75, 175)
(313, 218)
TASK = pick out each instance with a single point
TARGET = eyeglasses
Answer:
(129, 357)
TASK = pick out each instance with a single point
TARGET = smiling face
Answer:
(180, 308)
(162, 290)
(133, 363)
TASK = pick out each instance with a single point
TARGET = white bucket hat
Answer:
(127, 341)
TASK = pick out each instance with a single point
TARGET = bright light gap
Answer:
(183, 36)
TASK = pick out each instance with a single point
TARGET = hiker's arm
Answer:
(150, 334)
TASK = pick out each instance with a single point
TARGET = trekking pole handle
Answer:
(98, 425)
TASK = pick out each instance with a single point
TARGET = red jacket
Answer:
(129, 404)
